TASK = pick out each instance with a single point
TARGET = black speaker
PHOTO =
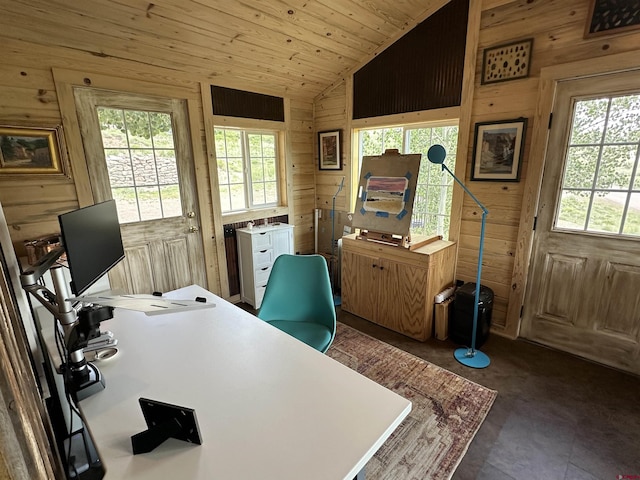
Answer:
(461, 322)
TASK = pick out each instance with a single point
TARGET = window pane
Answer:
(624, 120)
(632, 222)
(119, 167)
(606, 214)
(270, 169)
(126, 204)
(221, 144)
(167, 167)
(112, 128)
(616, 167)
(144, 167)
(223, 175)
(161, 129)
(371, 143)
(271, 192)
(138, 128)
(238, 197)
(149, 202)
(171, 206)
(588, 121)
(258, 194)
(580, 168)
(255, 145)
(234, 143)
(225, 198)
(256, 170)
(236, 170)
(573, 210)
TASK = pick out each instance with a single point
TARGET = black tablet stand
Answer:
(165, 421)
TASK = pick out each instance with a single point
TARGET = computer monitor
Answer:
(93, 242)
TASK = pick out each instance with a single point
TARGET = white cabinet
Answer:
(258, 247)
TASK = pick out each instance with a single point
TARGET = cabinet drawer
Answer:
(262, 275)
(262, 241)
(260, 295)
(263, 258)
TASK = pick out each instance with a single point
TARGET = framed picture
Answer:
(30, 151)
(497, 151)
(330, 157)
(506, 62)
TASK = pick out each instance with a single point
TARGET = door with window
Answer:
(138, 152)
(584, 283)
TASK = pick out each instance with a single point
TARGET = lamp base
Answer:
(471, 358)
(337, 300)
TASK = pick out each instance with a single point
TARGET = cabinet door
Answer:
(282, 242)
(410, 302)
(360, 284)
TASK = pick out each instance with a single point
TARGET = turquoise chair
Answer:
(298, 300)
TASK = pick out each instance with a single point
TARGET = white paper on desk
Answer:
(149, 304)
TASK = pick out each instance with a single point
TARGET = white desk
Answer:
(269, 407)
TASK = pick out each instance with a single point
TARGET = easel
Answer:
(385, 199)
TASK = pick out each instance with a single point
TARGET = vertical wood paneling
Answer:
(420, 71)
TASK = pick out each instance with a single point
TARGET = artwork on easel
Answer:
(386, 193)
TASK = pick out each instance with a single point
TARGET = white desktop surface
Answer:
(269, 407)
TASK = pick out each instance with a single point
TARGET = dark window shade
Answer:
(239, 103)
(421, 71)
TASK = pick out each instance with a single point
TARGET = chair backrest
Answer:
(299, 289)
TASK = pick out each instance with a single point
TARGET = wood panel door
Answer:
(138, 151)
(583, 294)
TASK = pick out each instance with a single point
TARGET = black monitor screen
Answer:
(92, 240)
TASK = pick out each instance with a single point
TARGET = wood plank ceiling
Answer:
(296, 48)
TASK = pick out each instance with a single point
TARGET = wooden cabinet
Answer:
(258, 247)
(393, 286)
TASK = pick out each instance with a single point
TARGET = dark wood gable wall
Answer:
(421, 71)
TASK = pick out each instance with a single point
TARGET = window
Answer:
(141, 161)
(432, 204)
(247, 168)
(601, 180)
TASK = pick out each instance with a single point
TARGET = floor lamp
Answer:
(466, 356)
(337, 299)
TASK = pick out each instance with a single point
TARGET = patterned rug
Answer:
(447, 409)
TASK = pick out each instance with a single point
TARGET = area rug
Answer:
(447, 409)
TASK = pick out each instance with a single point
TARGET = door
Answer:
(583, 294)
(138, 151)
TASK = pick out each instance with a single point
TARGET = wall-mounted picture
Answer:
(498, 149)
(329, 154)
(507, 62)
(29, 151)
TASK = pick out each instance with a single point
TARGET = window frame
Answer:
(593, 190)
(253, 126)
(406, 127)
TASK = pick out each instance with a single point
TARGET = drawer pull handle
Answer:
(265, 268)
(374, 265)
(262, 251)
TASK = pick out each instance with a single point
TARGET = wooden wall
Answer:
(330, 113)
(28, 98)
(557, 28)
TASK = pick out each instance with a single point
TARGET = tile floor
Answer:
(556, 417)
